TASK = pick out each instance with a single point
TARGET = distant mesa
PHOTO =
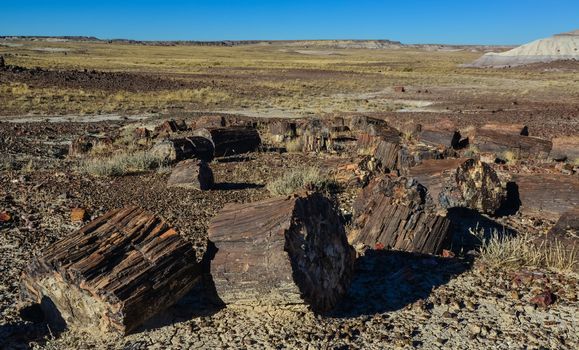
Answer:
(564, 46)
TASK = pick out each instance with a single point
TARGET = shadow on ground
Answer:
(32, 328)
(390, 280)
(225, 186)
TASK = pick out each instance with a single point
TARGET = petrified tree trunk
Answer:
(208, 121)
(383, 143)
(568, 224)
(282, 130)
(89, 142)
(175, 150)
(414, 154)
(397, 213)
(547, 196)
(232, 140)
(521, 147)
(191, 173)
(281, 252)
(507, 129)
(442, 133)
(461, 182)
(112, 274)
(565, 149)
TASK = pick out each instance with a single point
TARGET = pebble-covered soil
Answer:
(396, 300)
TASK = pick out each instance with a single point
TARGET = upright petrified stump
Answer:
(547, 196)
(461, 182)
(281, 252)
(231, 140)
(112, 274)
(192, 173)
(397, 213)
(174, 150)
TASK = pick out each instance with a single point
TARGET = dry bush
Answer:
(504, 251)
(509, 157)
(122, 164)
(294, 146)
(298, 179)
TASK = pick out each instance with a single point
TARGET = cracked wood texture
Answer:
(547, 196)
(460, 182)
(397, 213)
(231, 140)
(281, 252)
(112, 274)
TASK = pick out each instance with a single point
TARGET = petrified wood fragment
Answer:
(192, 173)
(547, 196)
(398, 213)
(112, 274)
(461, 182)
(174, 150)
(231, 140)
(281, 251)
(521, 147)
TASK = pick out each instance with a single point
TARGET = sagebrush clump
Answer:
(310, 178)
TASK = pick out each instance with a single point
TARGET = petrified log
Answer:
(192, 173)
(412, 155)
(521, 147)
(565, 149)
(507, 129)
(461, 182)
(282, 130)
(170, 126)
(89, 142)
(231, 140)
(209, 121)
(281, 252)
(112, 274)
(443, 133)
(174, 150)
(547, 196)
(383, 143)
(398, 213)
(568, 224)
(364, 123)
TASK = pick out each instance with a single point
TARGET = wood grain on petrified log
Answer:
(522, 147)
(112, 274)
(461, 182)
(398, 213)
(507, 129)
(282, 251)
(231, 140)
(547, 196)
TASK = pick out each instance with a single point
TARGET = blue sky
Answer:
(418, 21)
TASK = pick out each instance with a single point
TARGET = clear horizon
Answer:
(491, 22)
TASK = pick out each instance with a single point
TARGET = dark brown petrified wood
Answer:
(397, 213)
(231, 140)
(112, 274)
(460, 182)
(521, 147)
(282, 251)
(192, 173)
(547, 196)
(175, 150)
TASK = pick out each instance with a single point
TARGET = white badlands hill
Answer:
(563, 46)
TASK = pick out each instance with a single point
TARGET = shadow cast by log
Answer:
(390, 280)
(228, 186)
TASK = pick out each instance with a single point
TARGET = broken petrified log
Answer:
(507, 129)
(568, 224)
(280, 131)
(565, 148)
(520, 147)
(443, 133)
(281, 251)
(383, 143)
(89, 143)
(208, 121)
(192, 173)
(170, 126)
(112, 274)
(461, 182)
(547, 196)
(232, 140)
(174, 150)
(398, 213)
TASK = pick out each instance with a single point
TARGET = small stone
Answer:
(5, 217)
(470, 305)
(514, 295)
(77, 215)
(474, 329)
